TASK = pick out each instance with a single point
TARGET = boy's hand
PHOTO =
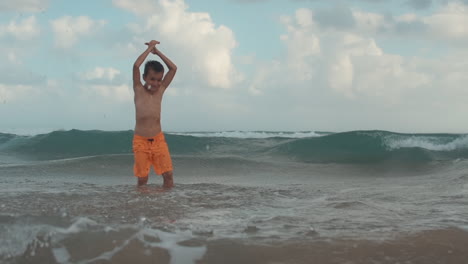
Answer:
(153, 43)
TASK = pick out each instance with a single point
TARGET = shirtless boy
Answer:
(149, 145)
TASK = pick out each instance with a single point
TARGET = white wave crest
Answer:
(27, 131)
(426, 142)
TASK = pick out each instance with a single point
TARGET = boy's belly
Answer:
(148, 126)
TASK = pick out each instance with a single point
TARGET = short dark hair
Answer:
(153, 65)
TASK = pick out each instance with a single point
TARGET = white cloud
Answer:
(349, 77)
(13, 58)
(447, 24)
(69, 29)
(355, 66)
(102, 84)
(263, 78)
(369, 22)
(100, 73)
(24, 5)
(258, 80)
(25, 29)
(197, 42)
(302, 44)
(11, 93)
(450, 22)
(341, 75)
(115, 93)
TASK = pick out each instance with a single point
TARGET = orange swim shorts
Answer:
(151, 151)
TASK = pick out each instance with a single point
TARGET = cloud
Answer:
(69, 29)
(19, 40)
(263, 77)
(104, 84)
(449, 22)
(25, 29)
(353, 64)
(302, 44)
(192, 38)
(369, 23)
(100, 73)
(338, 17)
(416, 4)
(11, 93)
(118, 93)
(349, 77)
(411, 27)
(13, 58)
(446, 24)
(24, 5)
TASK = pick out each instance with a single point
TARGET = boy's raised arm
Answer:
(140, 60)
(170, 65)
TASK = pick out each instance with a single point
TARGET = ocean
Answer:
(239, 197)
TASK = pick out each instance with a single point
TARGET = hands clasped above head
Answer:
(153, 44)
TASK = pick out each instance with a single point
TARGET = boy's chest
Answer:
(148, 100)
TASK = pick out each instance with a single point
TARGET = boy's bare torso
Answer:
(148, 111)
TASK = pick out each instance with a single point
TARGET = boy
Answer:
(149, 145)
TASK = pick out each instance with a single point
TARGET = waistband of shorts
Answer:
(157, 137)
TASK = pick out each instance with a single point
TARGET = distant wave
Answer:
(310, 147)
(66, 144)
(377, 146)
(253, 134)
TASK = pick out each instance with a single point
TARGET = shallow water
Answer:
(206, 217)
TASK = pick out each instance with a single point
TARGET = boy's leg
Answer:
(162, 162)
(141, 167)
(142, 181)
(168, 179)
(164, 166)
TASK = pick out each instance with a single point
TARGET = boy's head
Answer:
(153, 73)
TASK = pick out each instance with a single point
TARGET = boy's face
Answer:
(153, 78)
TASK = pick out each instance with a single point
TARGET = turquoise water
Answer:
(308, 147)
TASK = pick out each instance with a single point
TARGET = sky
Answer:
(249, 65)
